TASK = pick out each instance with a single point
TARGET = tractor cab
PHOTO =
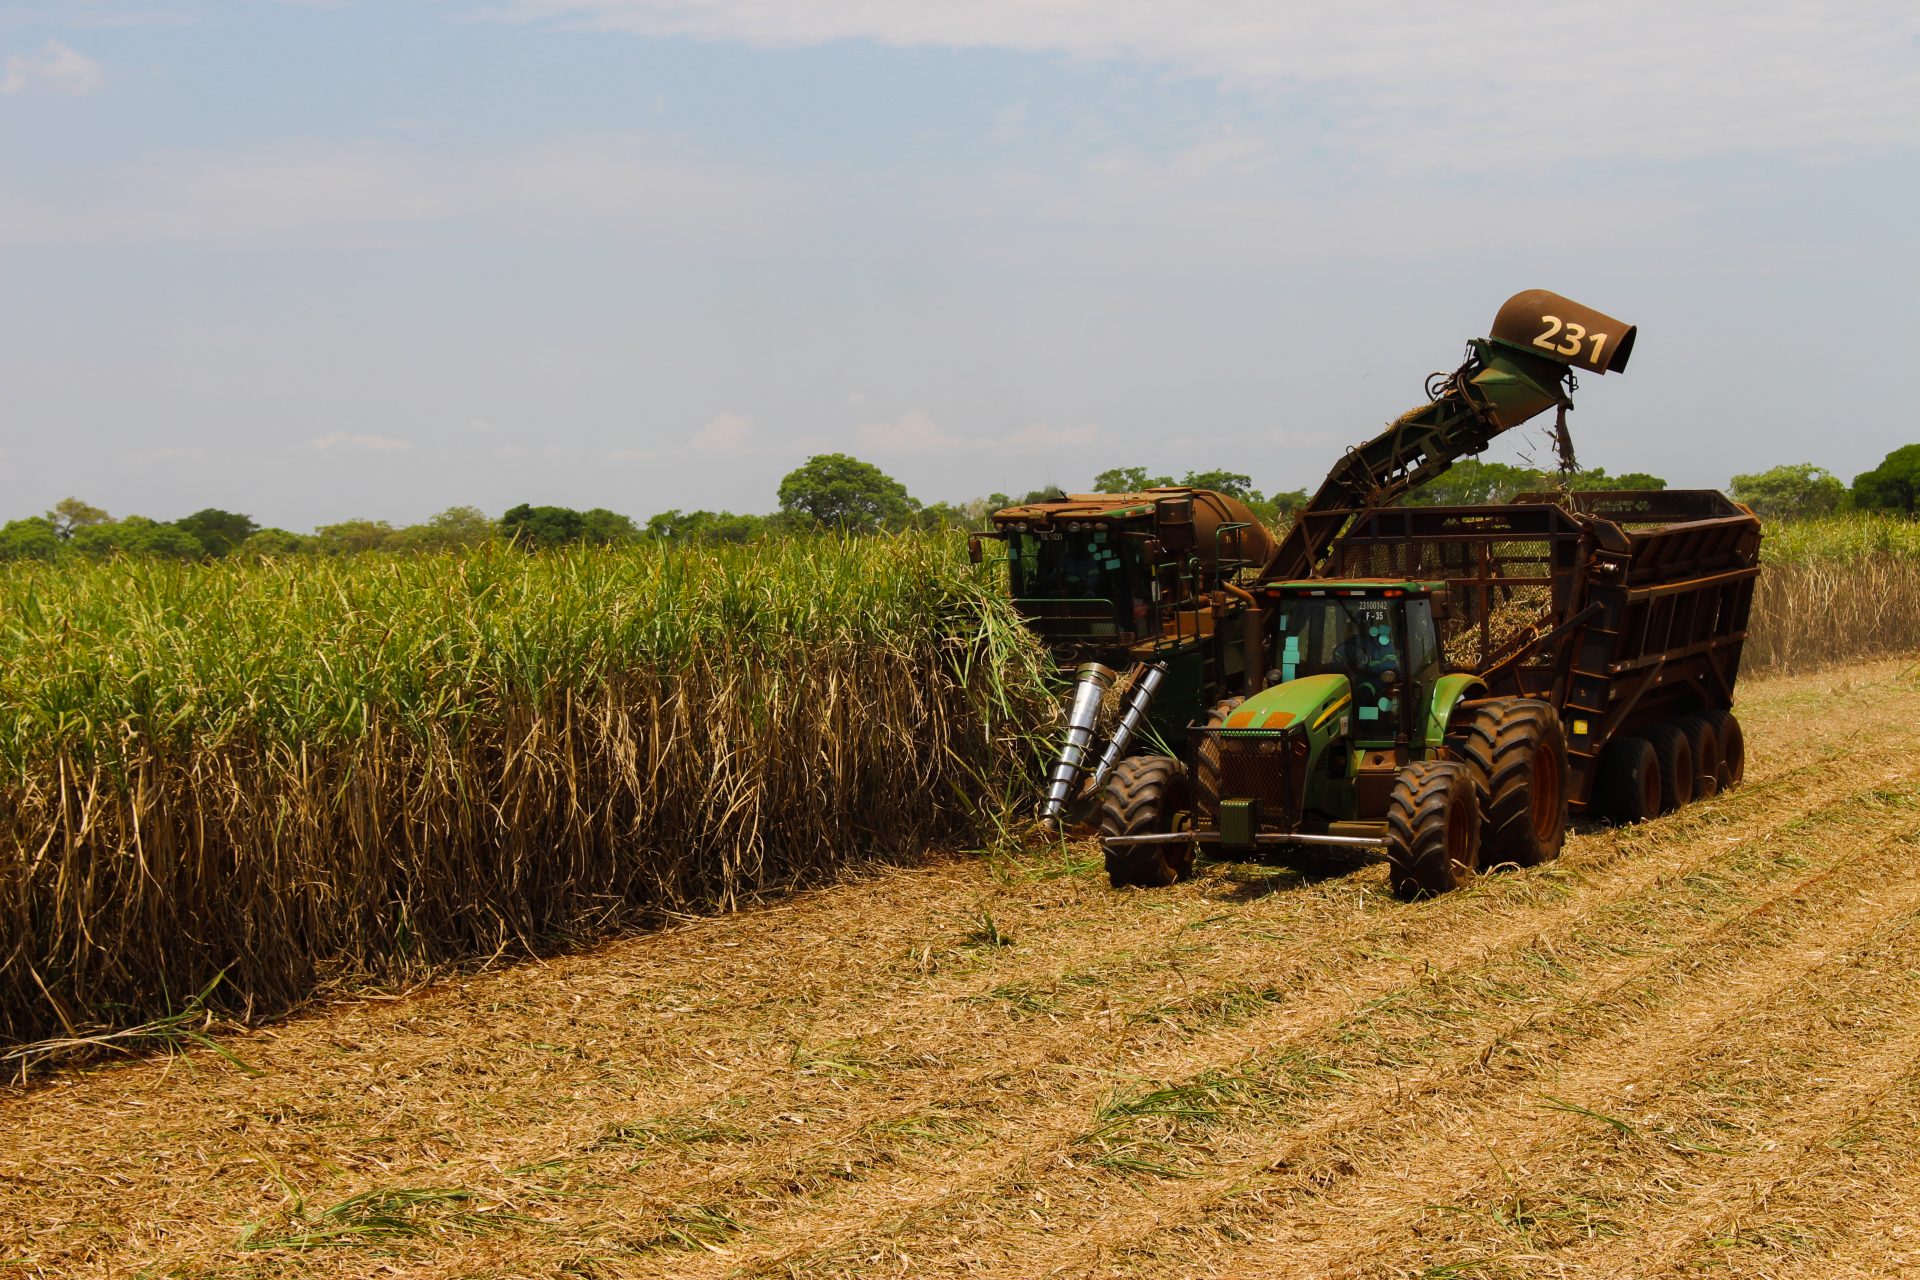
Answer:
(1356, 692)
(1381, 635)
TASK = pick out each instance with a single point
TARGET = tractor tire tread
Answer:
(1418, 811)
(1498, 742)
(1141, 799)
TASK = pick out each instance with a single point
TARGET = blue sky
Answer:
(323, 260)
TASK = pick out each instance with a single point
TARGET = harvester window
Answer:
(1064, 568)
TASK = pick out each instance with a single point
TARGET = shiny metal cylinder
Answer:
(1145, 685)
(1091, 683)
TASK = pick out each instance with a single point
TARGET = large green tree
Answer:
(137, 536)
(351, 536)
(843, 492)
(602, 527)
(1128, 480)
(1598, 479)
(1232, 483)
(534, 527)
(70, 515)
(1793, 491)
(1894, 485)
(217, 531)
(31, 539)
(1471, 482)
(1288, 501)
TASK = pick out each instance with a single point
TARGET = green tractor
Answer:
(1364, 741)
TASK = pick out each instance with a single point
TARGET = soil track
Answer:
(1687, 1046)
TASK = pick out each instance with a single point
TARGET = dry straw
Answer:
(293, 772)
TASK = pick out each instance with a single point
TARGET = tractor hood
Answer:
(1308, 701)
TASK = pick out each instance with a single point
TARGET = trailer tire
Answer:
(1206, 760)
(1630, 780)
(1145, 796)
(1518, 754)
(1433, 829)
(1676, 765)
(1733, 747)
(1706, 754)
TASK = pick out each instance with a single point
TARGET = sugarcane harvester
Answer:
(1155, 583)
(1612, 695)
(1595, 640)
(1204, 637)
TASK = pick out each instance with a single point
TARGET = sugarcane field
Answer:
(1257, 738)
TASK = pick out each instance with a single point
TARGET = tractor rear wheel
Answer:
(1147, 795)
(1630, 780)
(1433, 829)
(1706, 754)
(1206, 759)
(1733, 747)
(1676, 765)
(1518, 754)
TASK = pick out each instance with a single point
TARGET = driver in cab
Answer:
(1368, 654)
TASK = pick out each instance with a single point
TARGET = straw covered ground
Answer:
(1687, 1047)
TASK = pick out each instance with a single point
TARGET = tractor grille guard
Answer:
(1264, 765)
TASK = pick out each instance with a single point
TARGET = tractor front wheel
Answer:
(1518, 754)
(1147, 795)
(1433, 829)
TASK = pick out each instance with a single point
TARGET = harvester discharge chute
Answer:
(1523, 368)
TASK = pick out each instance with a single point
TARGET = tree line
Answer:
(837, 492)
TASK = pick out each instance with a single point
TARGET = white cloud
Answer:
(380, 194)
(1498, 86)
(1041, 438)
(912, 432)
(56, 68)
(724, 433)
(96, 15)
(915, 432)
(347, 442)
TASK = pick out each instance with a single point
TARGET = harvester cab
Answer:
(1099, 576)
